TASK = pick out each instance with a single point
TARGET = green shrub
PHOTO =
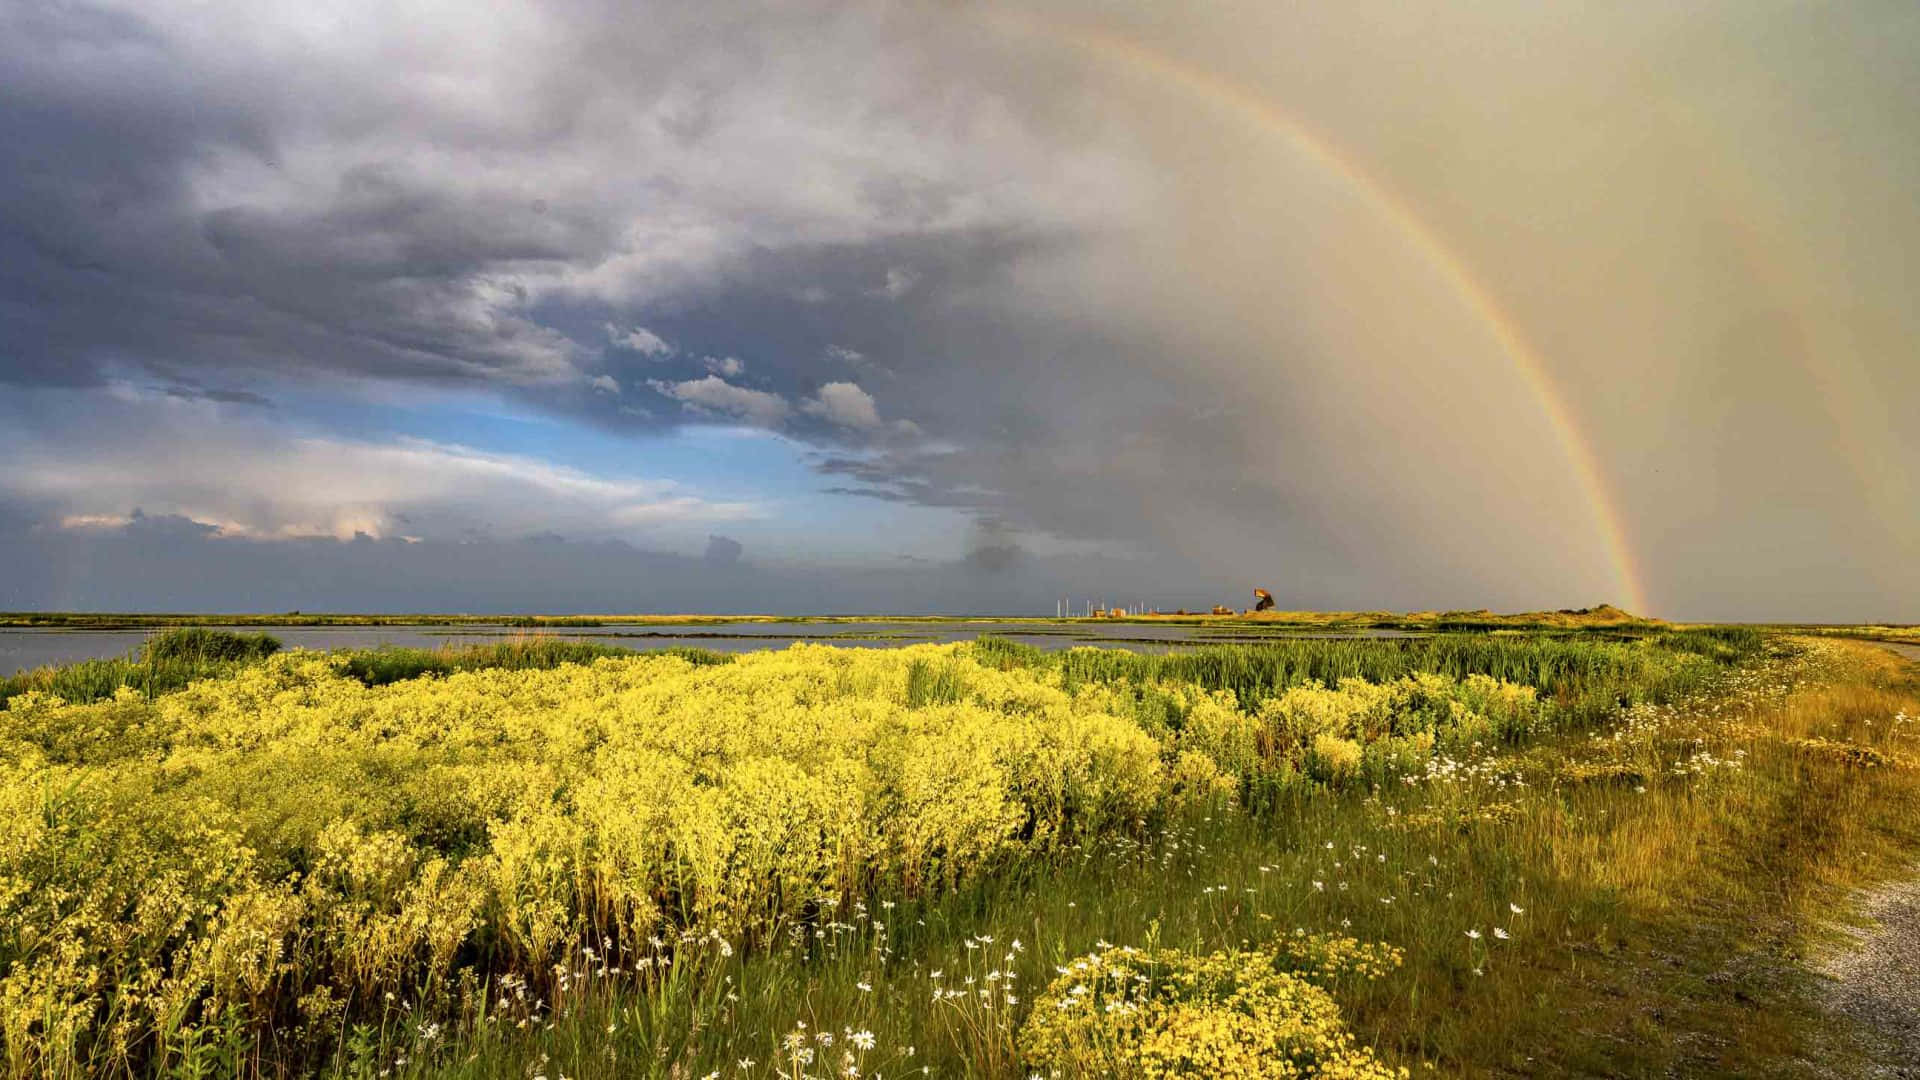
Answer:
(391, 664)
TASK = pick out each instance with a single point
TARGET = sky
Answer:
(957, 307)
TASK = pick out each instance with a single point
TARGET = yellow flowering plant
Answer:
(283, 845)
(1144, 1014)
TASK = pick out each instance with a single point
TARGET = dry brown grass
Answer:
(1723, 881)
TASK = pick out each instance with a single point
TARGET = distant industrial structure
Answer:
(1068, 608)
(1088, 609)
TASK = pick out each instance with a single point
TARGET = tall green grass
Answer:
(165, 662)
(198, 644)
(393, 663)
(1588, 676)
(934, 684)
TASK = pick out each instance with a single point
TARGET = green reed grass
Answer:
(165, 662)
(1589, 676)
(203, 645)
(935, 684)
(393, 663)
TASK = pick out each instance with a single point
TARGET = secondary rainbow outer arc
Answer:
(1526, 361)
(1833, 372)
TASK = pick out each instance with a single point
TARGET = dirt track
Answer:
(1876, 977)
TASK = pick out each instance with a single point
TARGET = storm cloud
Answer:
(1378, 306)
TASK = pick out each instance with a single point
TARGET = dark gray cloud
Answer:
(227, 186)
(723, 551)
(156, 565)
(1222, 294)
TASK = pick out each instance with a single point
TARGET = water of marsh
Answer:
(22, 648)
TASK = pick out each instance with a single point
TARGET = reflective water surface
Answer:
(30, 647)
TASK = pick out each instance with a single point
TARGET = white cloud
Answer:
(257, 480)
(716, 396)
(604, 383)
(683, 509)
(95, 521)
(845, 404)
(900, 281)
(730, 366)
(639, 339)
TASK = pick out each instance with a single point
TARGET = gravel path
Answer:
(1876, 977)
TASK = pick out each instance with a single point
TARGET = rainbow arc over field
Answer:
(1858, 418)
(1270, 118)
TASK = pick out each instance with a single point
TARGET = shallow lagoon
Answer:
(22, 648)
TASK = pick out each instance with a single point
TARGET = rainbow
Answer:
(1270, 118)
(1833, 371)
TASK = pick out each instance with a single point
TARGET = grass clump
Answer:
(391, 664)
(1850, 754)
(166, 662)
(935, 683)
(1602, 772)
(199, 644)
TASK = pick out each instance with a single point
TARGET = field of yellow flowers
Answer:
(285, 870)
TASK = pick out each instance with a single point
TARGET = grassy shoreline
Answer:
(1604, 618)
